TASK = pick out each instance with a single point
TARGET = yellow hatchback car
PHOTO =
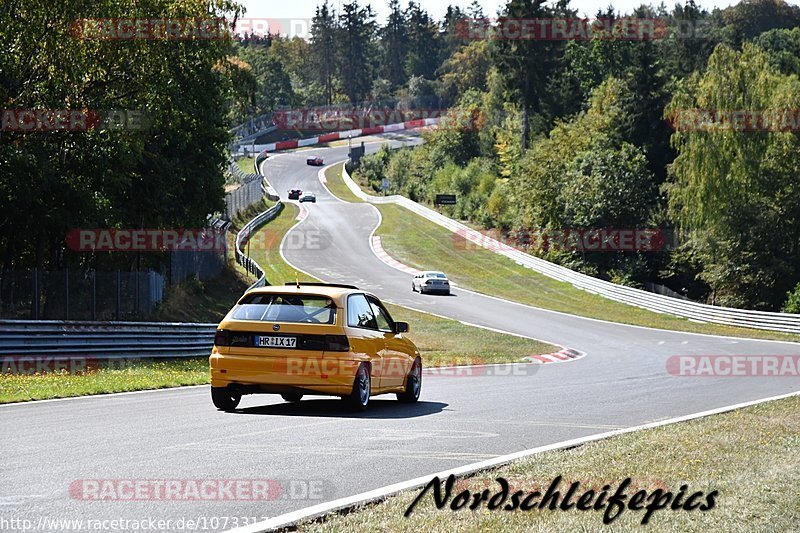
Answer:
(312, 338)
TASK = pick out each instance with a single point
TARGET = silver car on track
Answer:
(431, 281)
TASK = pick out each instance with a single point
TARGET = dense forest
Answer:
(165, 170)
(561, 134)
(584, 133)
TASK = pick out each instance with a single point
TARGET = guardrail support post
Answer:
(66, 293)
(136, 288)
(94, 295)
(119, 298)
(35, 295)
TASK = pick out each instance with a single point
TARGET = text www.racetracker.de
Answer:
(200, 523)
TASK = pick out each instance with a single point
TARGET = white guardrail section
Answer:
(244, 235)
(784, 322)
(247, 231)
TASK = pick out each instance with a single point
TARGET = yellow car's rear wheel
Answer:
(225, 399)
(362, 388)
(292, 396)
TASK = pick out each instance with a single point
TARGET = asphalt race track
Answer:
(316, 449)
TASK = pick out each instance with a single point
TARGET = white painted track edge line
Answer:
(316, 511)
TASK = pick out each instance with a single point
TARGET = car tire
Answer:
(225, 399)
(413, 287)
(362, 388)
(292, 396)
(413, 384)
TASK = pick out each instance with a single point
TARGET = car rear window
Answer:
(438, 275)
(295, 308)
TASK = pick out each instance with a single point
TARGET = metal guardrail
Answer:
(244, 235)
(254, 126)
(783, 322)
(106, 340)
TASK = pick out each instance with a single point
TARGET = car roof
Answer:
(436, 272)
(330, 290)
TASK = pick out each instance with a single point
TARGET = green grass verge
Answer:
(336, 184)
(247, 164)
(750, 456)
(112, 377)
(203, 301)
(446, 342)
(417, 242)
(266, 243)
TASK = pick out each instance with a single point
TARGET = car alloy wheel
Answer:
(359, 398)
(413, 384)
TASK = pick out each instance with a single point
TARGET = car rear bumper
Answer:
(440, 290)
(284, 372)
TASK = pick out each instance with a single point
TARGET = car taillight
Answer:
(222, 338)
(337, 343)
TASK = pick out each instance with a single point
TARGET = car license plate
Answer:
(276, 342)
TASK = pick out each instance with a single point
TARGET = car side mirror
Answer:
(401, 327)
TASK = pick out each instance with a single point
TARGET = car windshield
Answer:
(437, 275)
(296, 308)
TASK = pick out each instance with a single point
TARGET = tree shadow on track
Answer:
(335, 408)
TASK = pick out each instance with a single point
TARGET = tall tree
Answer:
(394, 46)
(356, 49)
(165, 173)
(735, 188)
(525, 65)
(323, 49)
(423, 43)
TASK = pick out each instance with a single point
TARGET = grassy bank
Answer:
(751, 456)
(203, 301)
(265, 247)
(336, 184)
(110, 377)
(422, 244)
(247, 164)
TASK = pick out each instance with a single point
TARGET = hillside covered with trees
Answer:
(583, 133)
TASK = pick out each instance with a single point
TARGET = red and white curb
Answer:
(561, 356)
(350, 134)
(301, 216)
(381, 254)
